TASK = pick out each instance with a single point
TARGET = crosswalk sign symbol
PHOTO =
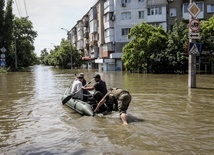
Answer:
(2, 63)
(194, 48)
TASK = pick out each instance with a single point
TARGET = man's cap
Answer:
(80, 76)
(97, 76)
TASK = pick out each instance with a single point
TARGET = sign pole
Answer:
(192, 63)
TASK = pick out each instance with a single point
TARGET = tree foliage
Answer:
(61, 56)
(146, 42)
(17, 36)
(2, 4)
(207, 34)
(25, 36)
(177, 59)
(8, 25)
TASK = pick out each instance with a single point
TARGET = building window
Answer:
(186, 8)
(125, 31)
(171, 28)
(141, 14)
(154, 11)
(140, 0)
(156, 24)
(125, 15)
(125, 1)
(200, 5)
(172, 12)
(210, 8)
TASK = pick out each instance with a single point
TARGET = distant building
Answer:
(102, 32)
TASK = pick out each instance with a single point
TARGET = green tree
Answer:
(25, 36)
(207, 42)
(44, 57)
(2, 3)
(61, 56)
(177, 59)
(207, 34)
(146, 43)
(8, 30)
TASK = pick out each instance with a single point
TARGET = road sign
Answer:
(3, 49)
(3, 55)
(194, 48)
(194, 35)
(194, 10)
(194, 24)
(2, 63)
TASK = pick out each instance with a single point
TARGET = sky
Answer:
(49, 16)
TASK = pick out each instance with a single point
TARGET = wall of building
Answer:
(106, 21)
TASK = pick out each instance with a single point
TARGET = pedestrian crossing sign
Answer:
(194, 48)
(2, 63)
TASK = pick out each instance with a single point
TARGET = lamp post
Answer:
(16, 62)
(69, 44)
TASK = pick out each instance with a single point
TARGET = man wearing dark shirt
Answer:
(100, 85)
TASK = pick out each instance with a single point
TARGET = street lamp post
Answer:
(16, 62)
(69, 44)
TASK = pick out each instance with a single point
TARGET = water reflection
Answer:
(165, 116)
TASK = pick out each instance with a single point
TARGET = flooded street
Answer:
(165, 116)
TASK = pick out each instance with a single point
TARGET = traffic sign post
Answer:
(194, 49)
(3, 57)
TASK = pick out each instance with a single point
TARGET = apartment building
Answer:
(179, 10)
(102, 32)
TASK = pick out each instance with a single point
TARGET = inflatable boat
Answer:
(83, 108)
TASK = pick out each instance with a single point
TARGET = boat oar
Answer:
(70, 96)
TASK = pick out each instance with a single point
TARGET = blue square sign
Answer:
(194, 48)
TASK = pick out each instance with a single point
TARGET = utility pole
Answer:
(69, 44)
(16, 64)
(194, 48)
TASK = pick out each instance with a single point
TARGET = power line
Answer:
(25, 8)
(17, 8)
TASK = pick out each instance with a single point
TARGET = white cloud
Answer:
(49, 16)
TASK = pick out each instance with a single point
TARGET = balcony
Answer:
(80, 45)
(187, 1)
(155, 3)
(106, 54)
(93, 43)
(94, 52)
(93, 13)
(86, 46)
(85, 24)
(86, 35)
(116, 55)
(86, 58)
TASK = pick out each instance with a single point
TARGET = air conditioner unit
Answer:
(170, 0)
(123, 5)
(113, 18)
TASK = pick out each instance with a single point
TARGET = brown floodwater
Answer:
(165, 116)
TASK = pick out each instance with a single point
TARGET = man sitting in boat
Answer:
(100, 85)
(85, 92)
(77, 88)
(100, 91)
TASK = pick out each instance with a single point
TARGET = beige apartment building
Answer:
(101, 33)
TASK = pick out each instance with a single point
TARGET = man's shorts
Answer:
(123, 102)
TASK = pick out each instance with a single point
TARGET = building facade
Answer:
(102, 32)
